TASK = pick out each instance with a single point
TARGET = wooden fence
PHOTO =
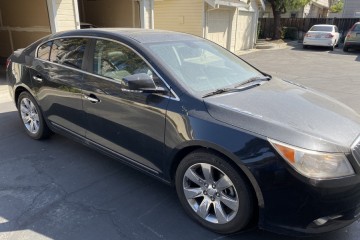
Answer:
(266, 25)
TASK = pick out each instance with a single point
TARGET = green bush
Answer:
(289, 33)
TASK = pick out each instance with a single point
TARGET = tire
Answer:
(228, 196)
(345, 49)
(305, 46)
(31, 117)
(332, 48)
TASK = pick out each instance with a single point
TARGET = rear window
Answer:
(68, 52)
(322, 28)
(44, 51)
(357, 28)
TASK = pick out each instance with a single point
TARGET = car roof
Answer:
(138, 34)
(326, 25)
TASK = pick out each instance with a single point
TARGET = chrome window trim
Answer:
(175, 98)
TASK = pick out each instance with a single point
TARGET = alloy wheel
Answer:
(210, 193)
(29, 115)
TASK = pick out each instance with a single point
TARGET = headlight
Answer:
(315, 165)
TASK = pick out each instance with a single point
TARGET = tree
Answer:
(336, 6)
(280, 7)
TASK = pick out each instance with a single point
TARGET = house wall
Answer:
(65, 18)
(245, 28)
(322, 3)
(351, 9)
(269, 14)
(18, 32)
(180, 15)
(318, 8)
(232, 28)
(110, 13)
(220, 25)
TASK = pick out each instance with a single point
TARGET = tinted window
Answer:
(44, 51)
(69, 52)
(357, 28)
(322, 28)
(116, 61)
(202, 66)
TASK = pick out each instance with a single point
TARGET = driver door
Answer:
(131, 124)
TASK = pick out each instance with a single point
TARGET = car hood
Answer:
(289, 113)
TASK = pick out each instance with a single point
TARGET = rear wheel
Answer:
(31, 117)
(345, 49)
(213, 193)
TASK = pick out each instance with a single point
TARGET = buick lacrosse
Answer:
(240, 146)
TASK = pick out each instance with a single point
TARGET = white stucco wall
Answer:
(63, 15)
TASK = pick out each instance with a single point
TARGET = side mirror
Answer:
(141, 82)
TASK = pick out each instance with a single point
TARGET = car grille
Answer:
(355, 149)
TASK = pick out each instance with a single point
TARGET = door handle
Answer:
(92, 98)
(37, 78)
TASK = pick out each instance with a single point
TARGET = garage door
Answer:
(218, 24)
(245, 31)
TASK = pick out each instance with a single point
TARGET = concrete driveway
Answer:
(59, 189)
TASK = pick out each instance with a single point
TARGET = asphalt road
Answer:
(59, 189)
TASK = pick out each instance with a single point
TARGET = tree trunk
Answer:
(277, 24)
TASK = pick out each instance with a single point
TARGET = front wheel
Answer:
(213, 193)
(31, 117)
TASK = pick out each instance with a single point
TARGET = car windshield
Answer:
(321, 28)
(201, 66)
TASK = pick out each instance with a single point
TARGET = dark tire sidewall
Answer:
(246, 206)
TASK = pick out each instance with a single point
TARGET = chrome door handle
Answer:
(91, 99)
(36, 78)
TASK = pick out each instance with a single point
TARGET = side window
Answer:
(336, 29)
(44, 51)
(116, 61)
(68, 52)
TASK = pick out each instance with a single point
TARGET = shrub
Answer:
(290, 33)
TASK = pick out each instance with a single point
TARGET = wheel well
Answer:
(187, 150)
(18, 91)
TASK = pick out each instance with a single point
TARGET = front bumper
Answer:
(352, 44)
(293, 203)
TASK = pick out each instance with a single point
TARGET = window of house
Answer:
(115, 61)
(293, 15)
(68, 52)
(44, 51)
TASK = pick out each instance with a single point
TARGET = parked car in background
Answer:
(84, 25)
(322, 35)
(239, 145)
(352, 39)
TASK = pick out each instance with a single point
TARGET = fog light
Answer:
(323, 220)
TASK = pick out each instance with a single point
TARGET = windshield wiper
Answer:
(236, 88)
(255, 79)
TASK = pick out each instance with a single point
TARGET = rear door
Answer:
(57, 77)
(130, 124)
